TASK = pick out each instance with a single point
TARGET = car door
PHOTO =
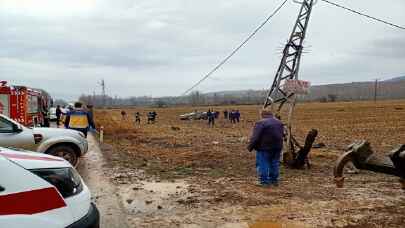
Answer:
(14, 135)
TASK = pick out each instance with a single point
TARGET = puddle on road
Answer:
(153, 197)
(164, 204)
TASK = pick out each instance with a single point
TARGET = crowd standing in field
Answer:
(151, 117)
(233, 116)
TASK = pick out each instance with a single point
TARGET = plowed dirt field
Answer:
(178, 173)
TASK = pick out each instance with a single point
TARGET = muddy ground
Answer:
(183, 174)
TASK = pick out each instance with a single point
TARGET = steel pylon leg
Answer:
(288, 70)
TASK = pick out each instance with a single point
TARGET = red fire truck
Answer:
(25, 105)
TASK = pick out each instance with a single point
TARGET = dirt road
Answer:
(104, 193)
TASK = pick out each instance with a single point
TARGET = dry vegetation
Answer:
(222, 172)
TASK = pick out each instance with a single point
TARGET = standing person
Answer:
(267, 140)
(78, 119)
(152, 117)
(232, 116)
(211, 118)
(91, 115)
(58, 115)
(237, 116)
(123, 115)
(225, 114)
(138, 118)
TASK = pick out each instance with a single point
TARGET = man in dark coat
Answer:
(58, 115)
(267, 140)
(232, 116)
(237, 116)
(211, 118)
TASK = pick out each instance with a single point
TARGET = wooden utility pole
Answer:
(375, 90)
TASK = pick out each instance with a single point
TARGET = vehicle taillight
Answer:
(37, 138)
(66, 180)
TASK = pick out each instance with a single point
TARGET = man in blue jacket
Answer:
(267, 140)
(79, 119)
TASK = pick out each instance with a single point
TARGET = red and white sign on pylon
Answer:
(297, 86)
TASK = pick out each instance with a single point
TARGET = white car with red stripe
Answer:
(43, 191)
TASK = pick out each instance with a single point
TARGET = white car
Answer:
(66, 143)
(43, 191)
(52, 114)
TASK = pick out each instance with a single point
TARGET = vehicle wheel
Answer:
(65, 152)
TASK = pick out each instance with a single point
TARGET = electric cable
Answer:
(236, 49)
(363, 14)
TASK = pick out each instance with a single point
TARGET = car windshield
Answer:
(5, 125)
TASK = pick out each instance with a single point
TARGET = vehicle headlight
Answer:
(66, 180)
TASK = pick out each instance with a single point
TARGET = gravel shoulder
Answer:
(104, 193)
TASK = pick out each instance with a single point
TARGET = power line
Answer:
(237, 49)
(364, 15)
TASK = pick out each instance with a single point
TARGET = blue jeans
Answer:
(268, 166)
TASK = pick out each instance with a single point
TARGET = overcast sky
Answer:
(159, 48)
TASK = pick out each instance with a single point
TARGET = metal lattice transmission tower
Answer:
(288, 69)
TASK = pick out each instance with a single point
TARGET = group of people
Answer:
(151, 117)
(233, 116)
(266, 138)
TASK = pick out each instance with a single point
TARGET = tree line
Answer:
(323, 93)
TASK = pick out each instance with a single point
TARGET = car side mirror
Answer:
(17, 128)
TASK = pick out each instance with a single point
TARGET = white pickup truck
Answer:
(65, 143)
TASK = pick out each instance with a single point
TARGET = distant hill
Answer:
(402, 78)
(389, 89)
(393, 88)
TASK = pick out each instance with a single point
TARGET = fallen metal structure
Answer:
(363, 158)
(288, 70)
(300, 158)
